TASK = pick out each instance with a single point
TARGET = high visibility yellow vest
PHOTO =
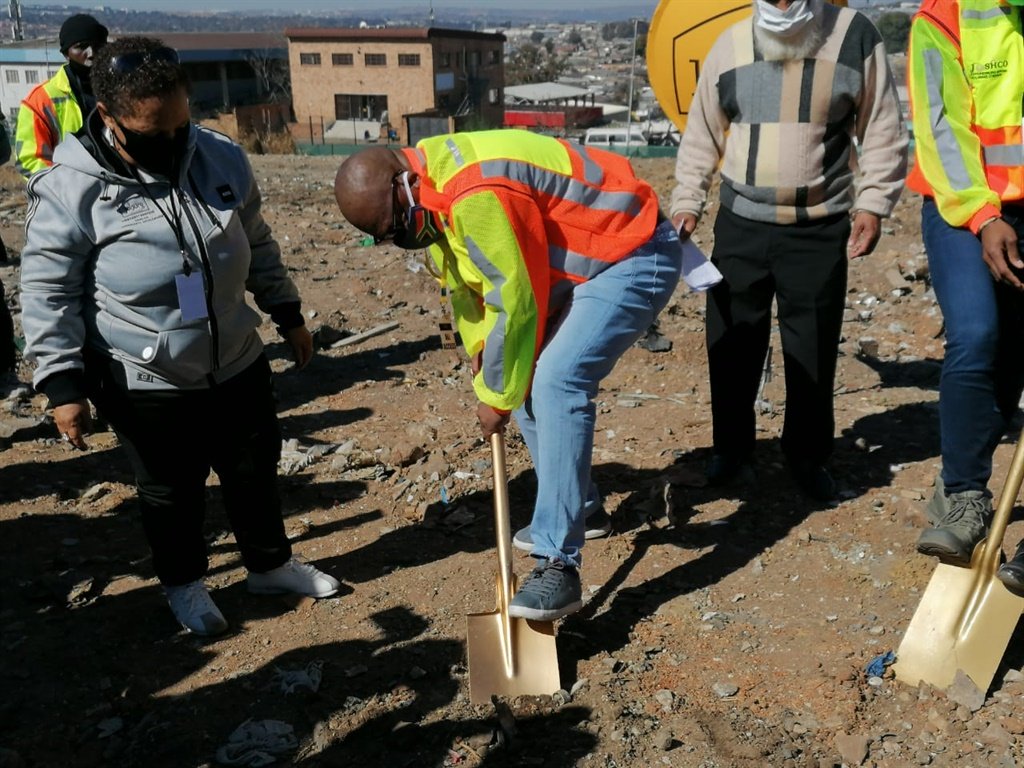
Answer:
(966, 77)
(47, 114)
(526, 218)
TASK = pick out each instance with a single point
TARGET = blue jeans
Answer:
(982, 373)
(602, 319)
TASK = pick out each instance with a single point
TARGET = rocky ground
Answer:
(721, 628)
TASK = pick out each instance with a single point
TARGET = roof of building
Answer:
(538, 93)
(193, 47)
(203, 41)
(386, 34)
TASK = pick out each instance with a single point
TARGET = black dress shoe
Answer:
(723, 469)
(1011, 573)
(814, 479)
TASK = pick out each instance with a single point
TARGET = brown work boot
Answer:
(959, 522)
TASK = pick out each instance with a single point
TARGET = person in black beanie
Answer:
(60, 105)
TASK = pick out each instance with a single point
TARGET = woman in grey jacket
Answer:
(142, 241)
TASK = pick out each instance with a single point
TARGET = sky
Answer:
(351, 5)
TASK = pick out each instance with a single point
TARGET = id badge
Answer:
(191, 297)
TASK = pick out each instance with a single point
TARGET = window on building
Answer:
(408, 59)
(341, 59)
(31, 76)
(495, 56)
(375, 59)
(360, 106)
(474, 58)
(309, 59)
(51, 73)
(12, 76)
(446, 60)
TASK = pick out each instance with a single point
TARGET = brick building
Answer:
(358, 84)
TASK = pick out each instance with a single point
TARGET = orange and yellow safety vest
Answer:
(526, 217)
(47, 115)
(966, 77)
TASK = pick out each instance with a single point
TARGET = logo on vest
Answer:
(984, 70)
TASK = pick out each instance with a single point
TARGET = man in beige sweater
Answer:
(798, 106)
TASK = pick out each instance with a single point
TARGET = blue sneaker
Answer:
(551, 591)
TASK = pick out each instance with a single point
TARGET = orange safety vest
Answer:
(526, 217)
(47, 115)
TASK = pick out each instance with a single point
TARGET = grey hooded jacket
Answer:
(102, 253)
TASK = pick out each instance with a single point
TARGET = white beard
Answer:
(802, 45)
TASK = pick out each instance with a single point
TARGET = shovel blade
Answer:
(533, 656)
(964, 621)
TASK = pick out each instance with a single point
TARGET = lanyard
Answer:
(173, 218)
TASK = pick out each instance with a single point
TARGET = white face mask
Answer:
(784, 23)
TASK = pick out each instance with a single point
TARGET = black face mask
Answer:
(83, 73)
(157, 154)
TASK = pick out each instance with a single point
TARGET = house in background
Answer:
(394, 84)
(227, 69)
(551, 107)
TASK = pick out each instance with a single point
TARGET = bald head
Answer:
(362, 188)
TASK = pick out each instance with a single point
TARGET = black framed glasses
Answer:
(397, 221)
(126, 63)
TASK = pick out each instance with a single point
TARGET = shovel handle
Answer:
(502, 526)
(1011, 489)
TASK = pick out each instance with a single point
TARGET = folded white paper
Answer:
(699, 273)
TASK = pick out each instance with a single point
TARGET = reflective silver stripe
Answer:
(945, 142)
(991, 13)
(561, 186)
(494, 349)
(592, 172)
(456, 152)
(574, 263)
(1004, 154)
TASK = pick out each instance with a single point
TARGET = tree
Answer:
(272, 75)
(536, 37)
(895, 30)
(532, 64)
(574, 38)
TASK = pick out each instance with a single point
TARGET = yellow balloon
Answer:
(681, 34)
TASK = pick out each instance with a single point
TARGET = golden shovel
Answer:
(966, 615)
(508, 656)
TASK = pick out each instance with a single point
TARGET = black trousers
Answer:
(173, 440)
(7, 353)
(803, 266)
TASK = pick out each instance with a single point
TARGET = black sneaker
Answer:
(1011, 573)
(551, 591)
(598, 524)
(814, 479)
(723, 469)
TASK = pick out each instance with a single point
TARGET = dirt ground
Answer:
(721, 628)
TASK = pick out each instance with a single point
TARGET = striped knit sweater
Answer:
(784, 132)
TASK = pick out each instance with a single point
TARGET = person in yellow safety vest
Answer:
(57, 107)
(966, 76)
(558, 260)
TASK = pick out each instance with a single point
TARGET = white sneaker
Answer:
(293, 576)
(195, 610)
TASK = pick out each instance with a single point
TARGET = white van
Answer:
(615, 137)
